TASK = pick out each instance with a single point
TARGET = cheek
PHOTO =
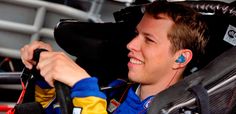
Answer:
(152, 61)
(158, 54)
(157, 60)
(152, 56)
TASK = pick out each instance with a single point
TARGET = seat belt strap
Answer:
(202, 98)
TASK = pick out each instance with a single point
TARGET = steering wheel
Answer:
(62, 90)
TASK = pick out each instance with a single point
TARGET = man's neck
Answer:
(146, 90)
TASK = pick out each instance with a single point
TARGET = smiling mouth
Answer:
(135, 61)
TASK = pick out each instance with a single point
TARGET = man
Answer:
(167, 38)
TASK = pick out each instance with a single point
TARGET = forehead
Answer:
(158, 27)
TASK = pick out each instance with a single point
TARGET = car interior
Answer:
(209, 85)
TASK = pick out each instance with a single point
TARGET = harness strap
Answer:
(202, 98)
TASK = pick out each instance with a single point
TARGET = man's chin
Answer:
(133, 78)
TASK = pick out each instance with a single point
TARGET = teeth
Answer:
(135, 61)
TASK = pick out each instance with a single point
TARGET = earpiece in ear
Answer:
(181, 59)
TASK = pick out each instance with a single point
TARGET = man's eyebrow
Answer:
(147, 34)
(136, 30)
(144, 33)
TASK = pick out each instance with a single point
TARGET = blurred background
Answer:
(24, 21)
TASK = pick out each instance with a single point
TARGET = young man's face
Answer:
(150, 56)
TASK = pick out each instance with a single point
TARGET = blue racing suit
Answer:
(88, 99)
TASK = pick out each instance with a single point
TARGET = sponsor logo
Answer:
(230, 35)
(113, 105)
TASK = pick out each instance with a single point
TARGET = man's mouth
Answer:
(135, 61)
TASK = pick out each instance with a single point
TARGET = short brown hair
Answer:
(188, 30)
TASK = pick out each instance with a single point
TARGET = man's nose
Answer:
(134, 44)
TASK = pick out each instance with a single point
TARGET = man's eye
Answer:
(147, 39)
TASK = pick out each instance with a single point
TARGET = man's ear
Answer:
(182, 58)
